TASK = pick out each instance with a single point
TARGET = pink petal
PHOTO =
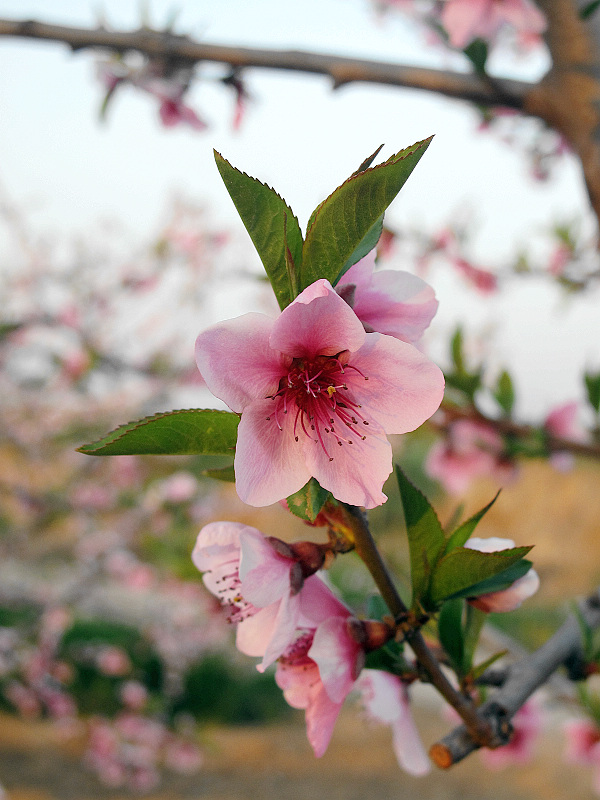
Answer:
(358, 470)
(360, 273)
(254, 633)
(268, 462)
(462, 19)
(217, 541)
(524, 16)
(404, 387)
(398, 304)
(408, 746)
(265, 575)
(321, 716)
(318, 603)
(338, 656)
(318, 322)
(236, 361)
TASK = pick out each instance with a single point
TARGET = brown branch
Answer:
(478, 727)
(520, 431)
(524, 677)
(165, 45)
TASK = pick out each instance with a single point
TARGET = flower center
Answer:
(315, 390)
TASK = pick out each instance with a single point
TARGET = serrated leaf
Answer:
(308, 501)
(505, 392)
(468, 573)
(450, 632)
(270, 223)
(463, 533)
(592, 384)
(221, 474)
(186, 432)
(425, 535)
(340, 224)
(368, 161)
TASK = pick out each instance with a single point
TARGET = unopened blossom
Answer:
(471, 450)
(393, 302)
(317, 396)
(260, 580)
(505, 599)
(385, 698)
(465, 20)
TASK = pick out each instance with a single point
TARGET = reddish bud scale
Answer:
(370, 634)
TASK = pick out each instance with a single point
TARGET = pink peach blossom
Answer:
(583, 746)
(506, 599)
(390, 301)
(465, 20)
(264, 588)
(385, 697)
(316, 396)
(471, 450)
(319, 669)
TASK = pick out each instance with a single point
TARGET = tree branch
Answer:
(168, 46)
(524, 677)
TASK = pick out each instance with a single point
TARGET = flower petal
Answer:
(357, 471)
(318, 322)
(321, 716)
(236, 361)
(268, 462)
(404, 387)
(265, 575)
(338, 656)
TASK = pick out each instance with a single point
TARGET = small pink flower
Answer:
(263, 586)
(316, 396)
(392, 302)
(471, 450)
(527, 725)
(506, 599)
(386, 699)
(583, 746)
(483, 280)
(113, 661)
(465, 20)
(562, 422)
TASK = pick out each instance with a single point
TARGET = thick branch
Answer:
(157, 44)
(524, 677)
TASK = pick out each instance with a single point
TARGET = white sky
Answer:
(300, 137)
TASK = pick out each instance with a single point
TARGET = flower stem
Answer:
(479, 728)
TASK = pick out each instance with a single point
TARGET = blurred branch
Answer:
(168, 46)
(516, 430)
(523, 678)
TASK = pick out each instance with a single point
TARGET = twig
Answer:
(524, 677)
(478, 727)
(165, 45)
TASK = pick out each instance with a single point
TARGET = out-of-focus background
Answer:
(118, 244)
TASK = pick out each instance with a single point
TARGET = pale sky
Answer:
(69, 170)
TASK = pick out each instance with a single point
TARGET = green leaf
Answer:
(188, 432)
(463, 533)
(368, 161)
(222, 474)
(450, 632)
(477, 53)
(499, 582)
(308, 501)
(468, 573)
(339, 226)
(270, 223)
(592, 384)
(478, 671)
(587, 10)
(505, 393)
(456, 350)
(425, 535)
